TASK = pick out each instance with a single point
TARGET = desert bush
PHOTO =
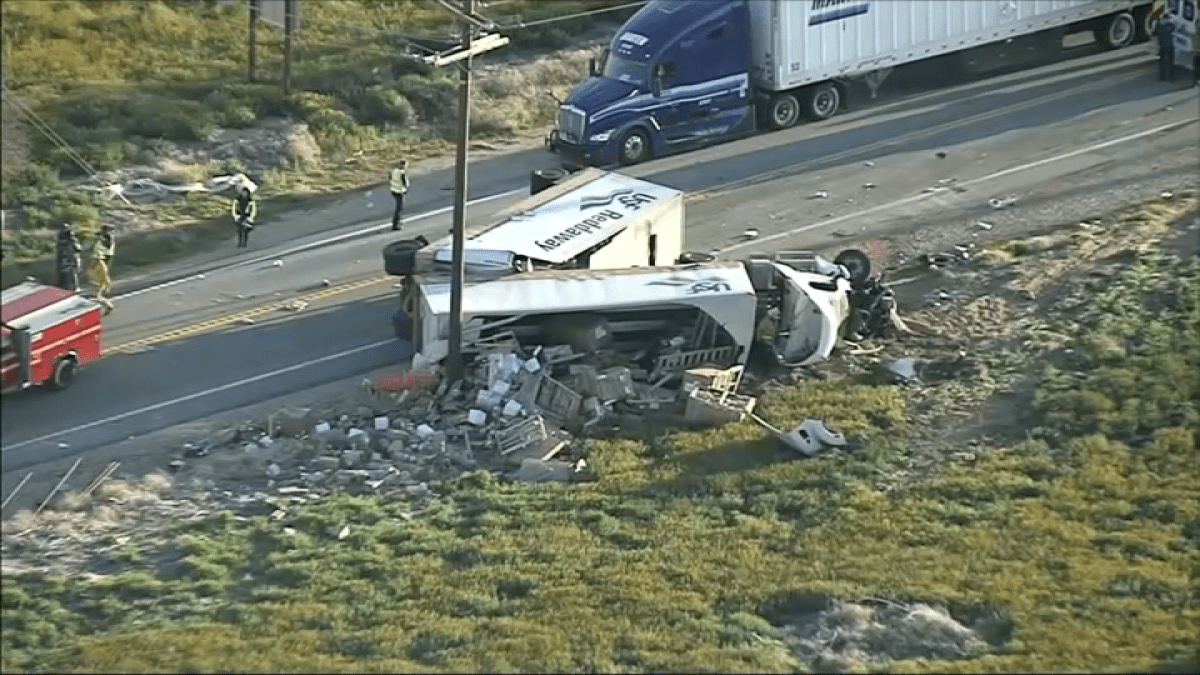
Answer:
(433, 98)
(383, 105)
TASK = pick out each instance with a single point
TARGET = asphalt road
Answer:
(1008, 133)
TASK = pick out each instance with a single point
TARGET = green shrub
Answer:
(159, 117)
(383, 105)
(434, 98)
(33, 183)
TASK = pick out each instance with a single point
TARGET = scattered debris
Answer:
(277, 263)
(812, 438)
(984, 225)
(901, 371)
(940, 155)
(819, 194)
(294, 306)
(1003, 203)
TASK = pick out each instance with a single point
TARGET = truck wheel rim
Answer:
(785, 112)
(825, 102)
(634, 147)
(1120, 31)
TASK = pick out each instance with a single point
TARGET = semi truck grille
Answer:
(571, 124)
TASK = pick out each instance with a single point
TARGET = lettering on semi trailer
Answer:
(631, 202)
(824, 11)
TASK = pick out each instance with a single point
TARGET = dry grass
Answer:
(717, 551)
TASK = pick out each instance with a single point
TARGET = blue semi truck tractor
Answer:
(685, 73)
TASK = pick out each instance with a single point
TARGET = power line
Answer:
(540, 22)
(470, 16)
(41, 125)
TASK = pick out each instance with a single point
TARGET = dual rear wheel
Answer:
(814, 103)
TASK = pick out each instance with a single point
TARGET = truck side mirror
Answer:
(593, 71)
(662, 72)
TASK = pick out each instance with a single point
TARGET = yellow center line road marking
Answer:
(230, 319)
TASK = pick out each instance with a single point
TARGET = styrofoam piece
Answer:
(424, 430)
(322, 427)
(533, 365)
(382, 423)
(501, 387)
(512, 408)
(823, 434)
(811, 437)
(355, 432)
(477, 417)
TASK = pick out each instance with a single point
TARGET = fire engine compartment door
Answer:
(20, 343)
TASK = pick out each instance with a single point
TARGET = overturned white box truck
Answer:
(668, 318)
(590, 220)
(597, 262)
(682, 74)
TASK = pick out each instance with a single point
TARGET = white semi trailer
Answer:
(682, 74)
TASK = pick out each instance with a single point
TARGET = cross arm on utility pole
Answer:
(478, 45)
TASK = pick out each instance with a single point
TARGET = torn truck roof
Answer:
(566, 220)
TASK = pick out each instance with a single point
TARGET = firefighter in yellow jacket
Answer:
(102, 255)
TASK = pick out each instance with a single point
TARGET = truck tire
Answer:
(541, 179)
(1119, 30)
(1145, 23)
(856, 262)
(634, 147)
(64, 373)
(400, 257)
(822, 101)
(783, 111)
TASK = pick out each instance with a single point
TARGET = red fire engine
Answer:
(48, 333)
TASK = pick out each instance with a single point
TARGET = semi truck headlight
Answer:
(601, 137)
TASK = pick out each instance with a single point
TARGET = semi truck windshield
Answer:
(626, 70)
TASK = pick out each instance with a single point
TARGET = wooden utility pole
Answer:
(289, 25)
(454, 370)
(252, 39)
(470, 46)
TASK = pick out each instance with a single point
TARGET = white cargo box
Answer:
(806, 41)
(601, 220)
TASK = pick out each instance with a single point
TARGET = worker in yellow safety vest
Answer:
(102, 255)
(398, 182)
